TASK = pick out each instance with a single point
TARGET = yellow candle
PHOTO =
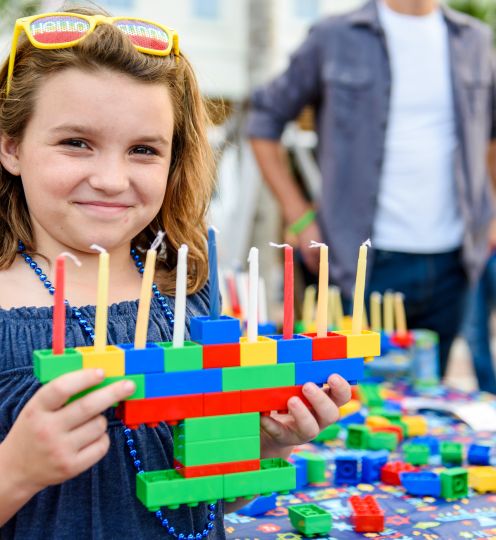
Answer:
(358, 300)
(375, 312)
(399, 308)
(331, 322)
(338, 308)
(323, 289)
(308, 309)
(102, 299)
(365, 323)
(388, 312)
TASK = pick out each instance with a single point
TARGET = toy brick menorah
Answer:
(212, 390)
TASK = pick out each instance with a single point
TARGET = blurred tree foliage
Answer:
(485, 10)
(10, 10)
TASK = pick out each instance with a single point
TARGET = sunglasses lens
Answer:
(58, 29)
(144, 34)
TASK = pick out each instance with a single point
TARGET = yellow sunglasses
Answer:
(64, 29)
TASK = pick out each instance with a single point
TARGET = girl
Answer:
(102, 140)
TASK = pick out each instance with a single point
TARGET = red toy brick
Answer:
(216, 468)
(217, 403)
(390, 429)
(221, 355)
(270, 399)
(328, 348)
(367, 515)
(169, 409)
(403, 340)
(390, 473)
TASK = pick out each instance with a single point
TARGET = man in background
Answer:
(403, 93)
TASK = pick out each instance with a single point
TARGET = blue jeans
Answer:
(482, 301)
(435, 289)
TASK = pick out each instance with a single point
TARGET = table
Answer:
(407, 518)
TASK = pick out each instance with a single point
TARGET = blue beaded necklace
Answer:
(89, 330)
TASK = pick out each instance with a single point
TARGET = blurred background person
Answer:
(403, 93)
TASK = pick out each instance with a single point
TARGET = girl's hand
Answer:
(281, 432)
(51, 442)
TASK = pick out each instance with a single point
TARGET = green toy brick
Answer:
(310, 519)
(48, 366)
(253, 377)
(369, 395)
(274, 475)
(329, 433)
(168, 488)
(382, 440)
(392, 416)
(139, 393)
(454, 483)
(316, 467)
(451, 453)
(218, 451)
(186, 358)
(219, 427)
(416, 454)
(402, 425)
(357, 436)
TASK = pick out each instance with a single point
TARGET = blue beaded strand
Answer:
(133, 453)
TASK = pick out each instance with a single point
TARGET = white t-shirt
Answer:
(417, 208)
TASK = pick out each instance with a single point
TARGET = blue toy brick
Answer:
(355, 418)
(267, 329)
(372, 462)
(138, 361)
(259, 506)
(209, 331)
(301, 466)
(347, 470)
(422, 484)
(177, 383)
(319, 371)
(429, 440)
(297, 349)
(479, 454)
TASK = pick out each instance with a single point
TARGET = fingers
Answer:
(88, 433)
(56, 393)
(81, 410)
(326, 412)
(91, 454)
(340, 390)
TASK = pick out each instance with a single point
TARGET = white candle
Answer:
(253, 295)
(180, 303)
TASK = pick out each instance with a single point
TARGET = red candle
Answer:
(58, 341)
(288, 326)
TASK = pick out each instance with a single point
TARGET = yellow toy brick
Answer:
(416, 425)
(111, 361)
(346, 324)
(482, 479)
(377, 421)
(351, 407)
(366, 344)
(258, 353)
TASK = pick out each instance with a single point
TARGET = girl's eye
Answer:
(75, 143)
(144, 150)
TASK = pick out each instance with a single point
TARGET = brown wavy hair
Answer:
(191, 176)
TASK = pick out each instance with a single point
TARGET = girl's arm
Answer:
(52, 440)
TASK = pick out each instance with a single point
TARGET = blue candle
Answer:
(213, 275)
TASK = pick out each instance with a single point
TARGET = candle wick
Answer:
(272, 244)
(367, 243)
(96, 247)
(252, 253)
(158, 240)
(215, 229)
(71, 256)
(314, 244)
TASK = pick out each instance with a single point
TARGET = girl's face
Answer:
(94, 158)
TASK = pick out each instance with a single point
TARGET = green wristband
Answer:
(302, 223)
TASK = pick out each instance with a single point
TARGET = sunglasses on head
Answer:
(61, 30)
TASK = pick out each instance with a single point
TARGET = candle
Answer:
(226, 301)
(213, 274)
(338, 308)
(375, 311)
(262, 301)
(323, 296)
(365, 322)
(288, 323)
(388, 312)
(399, 309)
(180, 303)
(308, 309)
(146, 294)
(331, 309)
(253, 295)
(358, 300)
(233, 294)
(102, 299)
(58, 335)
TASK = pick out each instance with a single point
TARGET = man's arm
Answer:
(492, 173)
